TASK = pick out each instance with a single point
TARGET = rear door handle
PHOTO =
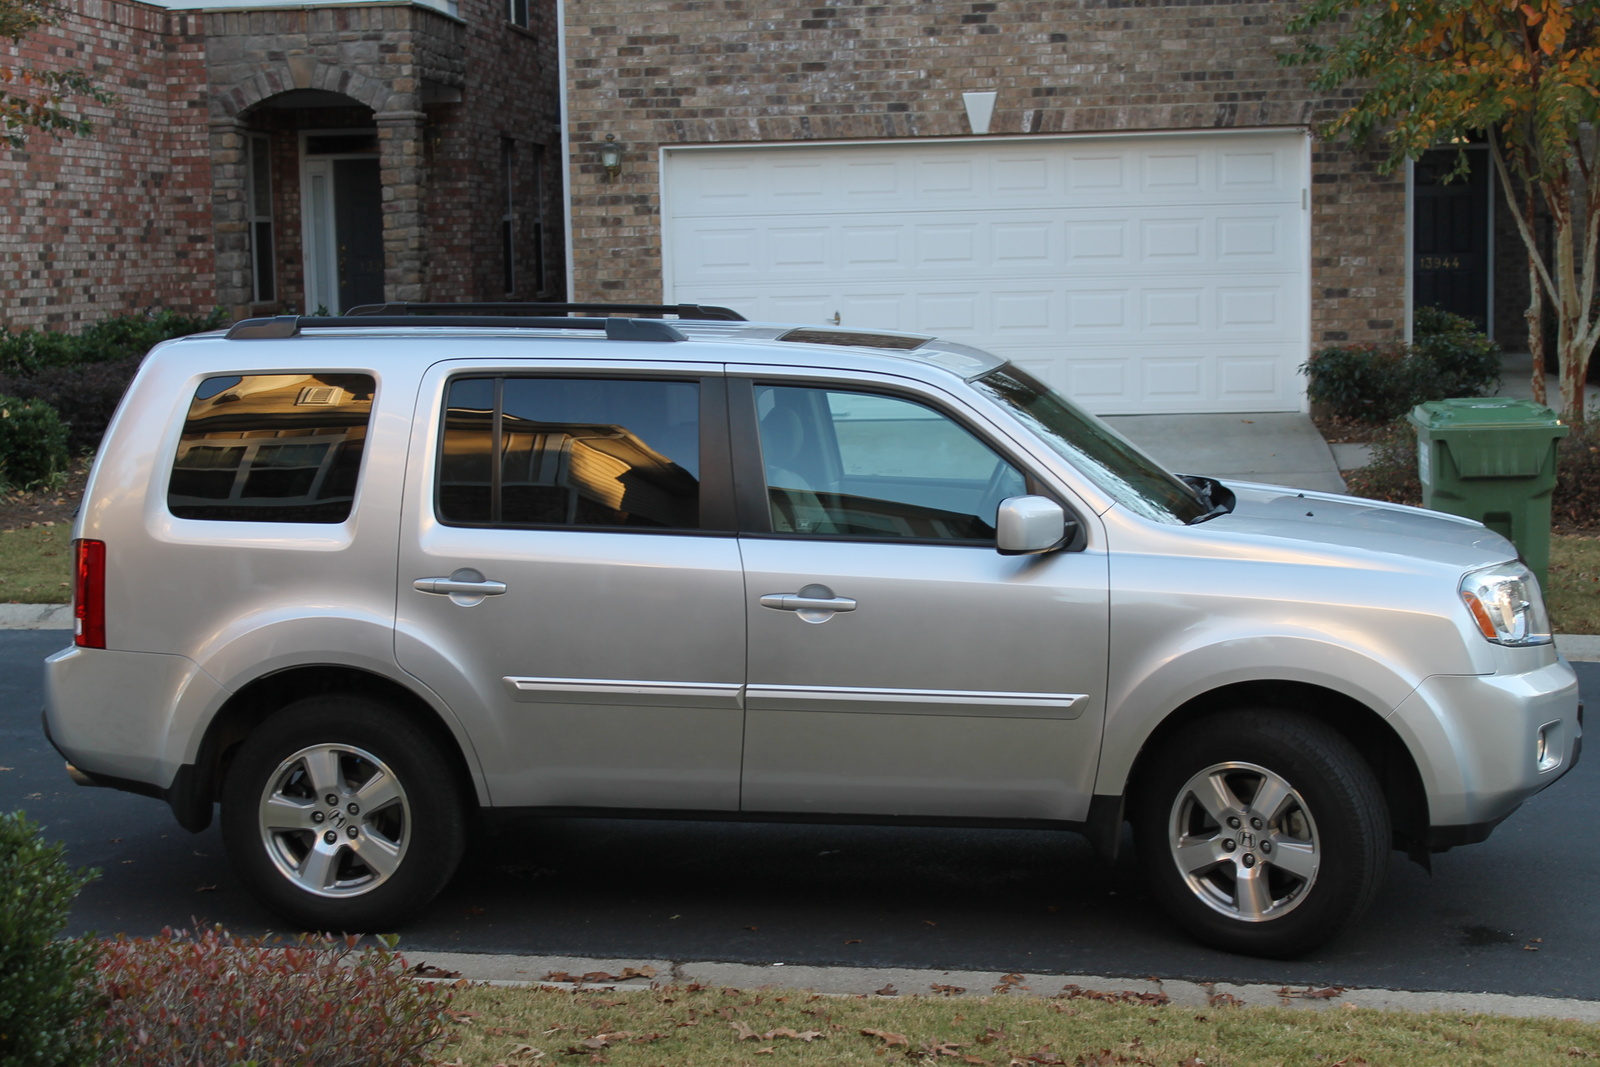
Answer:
(799, 602)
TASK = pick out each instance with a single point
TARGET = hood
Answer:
(1293, 515)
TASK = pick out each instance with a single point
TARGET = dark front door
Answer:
(1450, 240)
(358, 196)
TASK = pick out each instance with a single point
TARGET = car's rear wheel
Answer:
(339, 814)
(1262, 832)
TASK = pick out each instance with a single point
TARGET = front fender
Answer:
(1152, 684)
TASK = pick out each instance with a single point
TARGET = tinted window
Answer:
(868, 465)
(272, 448)
(571, 452)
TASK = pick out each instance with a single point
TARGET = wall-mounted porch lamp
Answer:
(611, 157)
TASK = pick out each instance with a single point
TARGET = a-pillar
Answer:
(400, 141)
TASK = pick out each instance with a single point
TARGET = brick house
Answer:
(1123, 194)
(273, 157)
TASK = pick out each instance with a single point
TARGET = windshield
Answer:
(1104, 456)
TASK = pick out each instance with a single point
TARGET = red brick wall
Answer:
(657, 72)
(509, 93)
(121, 219)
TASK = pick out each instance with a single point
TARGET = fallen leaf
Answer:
(853, 941)
(940, 1048)
(428, 970)
(990, 1035)
(807, 1036)
(744, 1032)
(206, 889)
(948, 990)
(769, 1050)
(888, 991)
(929, 922)
(1310, 994)
(1224, 1000)
(890, 1040)
(1126, 996)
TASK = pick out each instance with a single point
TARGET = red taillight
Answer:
(89, 594)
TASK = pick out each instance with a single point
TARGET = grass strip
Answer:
(1574, 592)
(698, 1026)
(36, 564)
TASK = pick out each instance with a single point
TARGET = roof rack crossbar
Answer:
(616, 328)
(704, 312)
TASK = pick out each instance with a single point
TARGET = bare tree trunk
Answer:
(1535, 312)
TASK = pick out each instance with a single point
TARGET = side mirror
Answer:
(1027, 525)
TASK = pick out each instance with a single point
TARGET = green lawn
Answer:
(689, 1026)
(36, 565)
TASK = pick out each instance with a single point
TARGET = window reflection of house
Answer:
(272, 448)
(563, 474)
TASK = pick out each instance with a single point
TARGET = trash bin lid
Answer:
(1499, 412)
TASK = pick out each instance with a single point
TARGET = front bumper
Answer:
(1485, 743)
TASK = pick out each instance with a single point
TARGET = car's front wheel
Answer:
(339, 814)
(1262, 832)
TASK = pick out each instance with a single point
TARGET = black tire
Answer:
(1307, 868)
(383, 864)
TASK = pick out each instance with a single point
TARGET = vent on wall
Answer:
(319, 396)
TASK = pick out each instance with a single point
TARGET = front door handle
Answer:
(465, 587)
(813, 603)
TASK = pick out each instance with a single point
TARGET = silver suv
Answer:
(360, 579)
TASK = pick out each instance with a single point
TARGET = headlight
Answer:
(1506, 604)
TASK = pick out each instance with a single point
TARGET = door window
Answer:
(571, 452)
(868, 465)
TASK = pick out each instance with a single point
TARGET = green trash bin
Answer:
(1492, 459)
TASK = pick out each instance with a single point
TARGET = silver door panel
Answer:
(915, 765)
(606, 674)
(963, 682)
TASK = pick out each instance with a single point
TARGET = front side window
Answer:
(867, 465)
(571, 452)
(272, 448)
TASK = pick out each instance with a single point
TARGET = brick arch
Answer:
(275, 78)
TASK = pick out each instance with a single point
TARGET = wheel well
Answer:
(1373, 738)
(262, 698)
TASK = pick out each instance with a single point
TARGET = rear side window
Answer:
(272, 448)
(592, 452)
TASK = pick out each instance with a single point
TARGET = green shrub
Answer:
(1381, 382)
(85, 395)
(316, 1002)
(1462, 361)
(115, 338)
(48, 1000)
(33, 444)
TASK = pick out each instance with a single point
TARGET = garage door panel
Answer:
(1145, 274)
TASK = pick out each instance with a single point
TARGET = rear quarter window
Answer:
(272, 448)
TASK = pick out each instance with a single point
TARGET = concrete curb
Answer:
(35, 616)
(1576, 647)
(518, 971)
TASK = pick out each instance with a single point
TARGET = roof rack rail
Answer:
(616, 327)
(705, 312)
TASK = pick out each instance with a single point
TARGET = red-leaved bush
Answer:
(211, 998)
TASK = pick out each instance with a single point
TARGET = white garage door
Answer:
(1139, 274)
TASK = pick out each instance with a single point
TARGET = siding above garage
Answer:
(1139, 274)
